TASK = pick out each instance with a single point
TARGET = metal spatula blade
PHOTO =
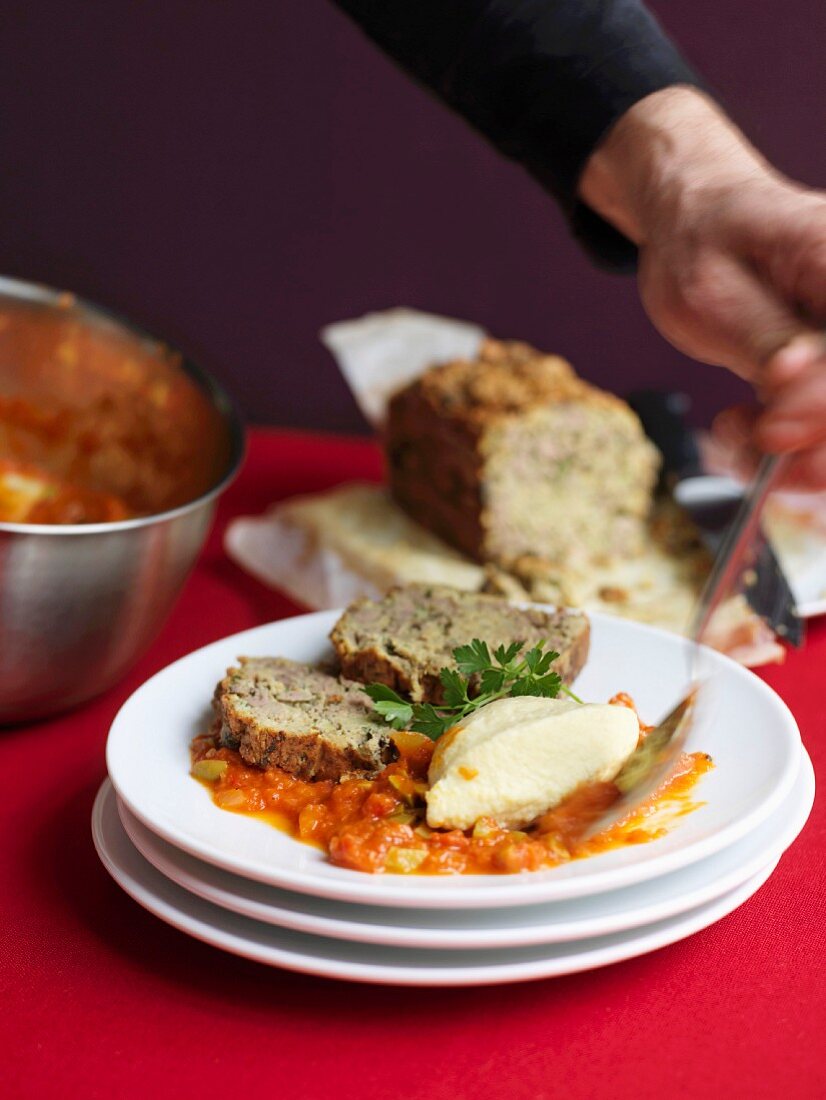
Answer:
(649, 765)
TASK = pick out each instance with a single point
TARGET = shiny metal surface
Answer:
(740, 544)
(649, 765)
(80, 603)
(713, 504)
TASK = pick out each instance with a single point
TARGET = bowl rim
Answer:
(23, 290)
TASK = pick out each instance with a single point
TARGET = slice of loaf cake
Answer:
(280, 713)
(407, 637)
(513, 454)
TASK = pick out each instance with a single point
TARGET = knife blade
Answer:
(712, 503)
(655, 757)
(740, 549)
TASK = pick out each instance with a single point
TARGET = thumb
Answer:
(794, 359)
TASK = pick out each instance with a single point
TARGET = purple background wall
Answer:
(234, 175)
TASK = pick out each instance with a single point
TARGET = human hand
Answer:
(732, 265)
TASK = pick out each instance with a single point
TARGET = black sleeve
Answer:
(543, 80)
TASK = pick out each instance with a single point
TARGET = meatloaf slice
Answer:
(512, 454)
(405, 638)
(281, 713)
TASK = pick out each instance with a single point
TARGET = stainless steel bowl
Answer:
(80, 603)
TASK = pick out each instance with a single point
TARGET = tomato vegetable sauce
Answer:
(379, 825)
(31, 491)
(29, 494)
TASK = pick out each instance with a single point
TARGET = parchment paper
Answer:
(381, 352)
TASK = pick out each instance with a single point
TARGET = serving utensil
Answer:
(654, 758)
(741, 545)
(712, 503)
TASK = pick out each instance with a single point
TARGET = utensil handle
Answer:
(662, 416)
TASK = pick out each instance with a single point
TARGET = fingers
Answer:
(732, 434)
(807, 470)
(734, 431)
(792, 253)
(741, 282)
(791, 259)
(757, 326)
(792, 383)
(794, 359)
(733, 427)
(795, 413)
(723, 313)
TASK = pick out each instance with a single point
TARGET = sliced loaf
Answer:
(281, 713)
(406, 638)
(513, 454)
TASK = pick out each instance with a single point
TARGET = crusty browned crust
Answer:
(409, 663)
(278, 713)
(436, 426)
(436, 470)
(505, 379)
(444, 429)
(372, 666)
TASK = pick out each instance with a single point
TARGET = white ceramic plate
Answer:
(806, 573)
(554, 922)
(362, 962)
(796, 527)
(740, 721)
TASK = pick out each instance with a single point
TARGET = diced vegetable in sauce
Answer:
(378, 825)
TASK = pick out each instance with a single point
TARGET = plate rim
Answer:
(812, 609)
(333, 927)
(365, 889)
(630, 946)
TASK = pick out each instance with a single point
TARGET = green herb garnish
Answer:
(503, 674)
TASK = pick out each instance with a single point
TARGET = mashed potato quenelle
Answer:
(518, 757)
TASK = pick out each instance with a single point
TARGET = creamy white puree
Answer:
(517, 758)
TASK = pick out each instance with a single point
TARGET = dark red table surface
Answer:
(99, 998)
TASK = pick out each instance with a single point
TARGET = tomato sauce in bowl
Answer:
(378, 825)
(29, 494)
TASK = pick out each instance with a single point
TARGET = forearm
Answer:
(543, 80)
(597, 104)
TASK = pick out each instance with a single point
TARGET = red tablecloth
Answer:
(100, 999)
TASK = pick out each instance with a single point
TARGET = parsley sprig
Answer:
(490, 677)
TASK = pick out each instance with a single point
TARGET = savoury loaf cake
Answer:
(288, 715)
(406, 638)
(513, 454)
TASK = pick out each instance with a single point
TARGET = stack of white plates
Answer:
(244, 886)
